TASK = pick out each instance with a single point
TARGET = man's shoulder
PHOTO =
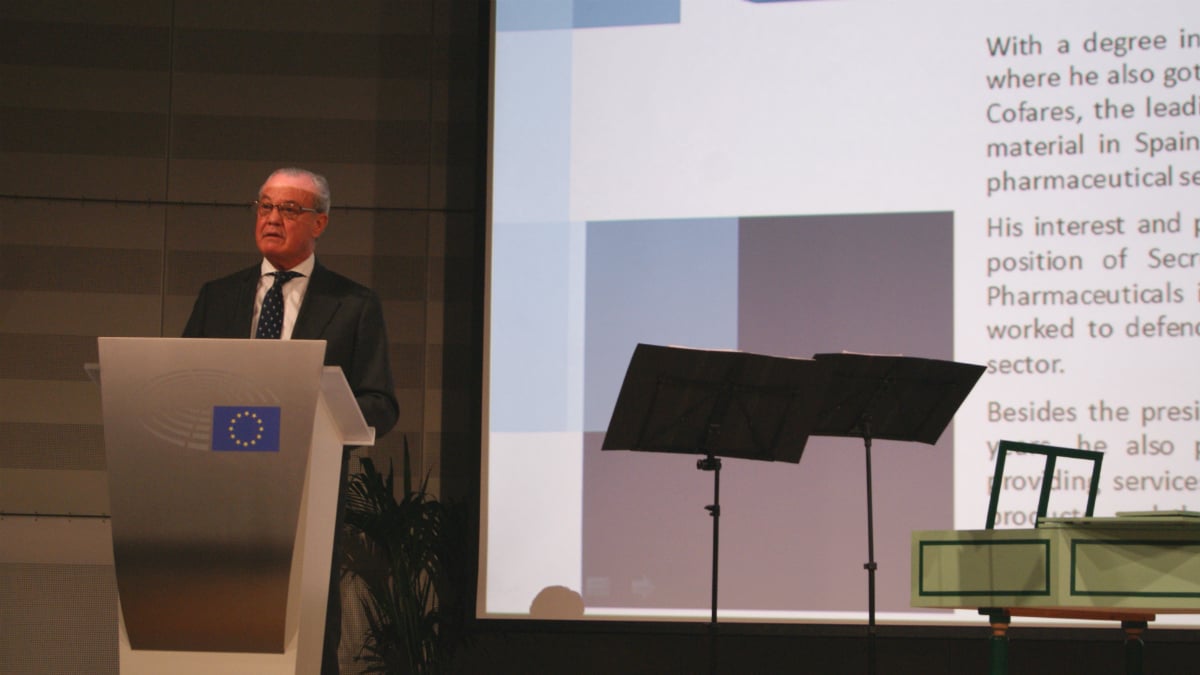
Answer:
(329, 281)
(238, 277)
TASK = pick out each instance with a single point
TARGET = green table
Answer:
(1128, 568)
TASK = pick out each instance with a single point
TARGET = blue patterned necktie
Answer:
(270, 319)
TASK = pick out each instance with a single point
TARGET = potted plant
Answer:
(409, 552)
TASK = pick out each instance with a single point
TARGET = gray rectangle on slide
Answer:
(793, 537)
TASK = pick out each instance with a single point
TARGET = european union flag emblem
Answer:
(246, 428)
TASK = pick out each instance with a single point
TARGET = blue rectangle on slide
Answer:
(599, 13)
(665, 282)
(525, 15)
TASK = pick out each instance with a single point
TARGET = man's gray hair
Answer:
(323, 201)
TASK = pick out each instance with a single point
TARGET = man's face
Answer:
(283, 240)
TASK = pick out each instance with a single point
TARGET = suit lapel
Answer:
(318, 308)
(244, 303)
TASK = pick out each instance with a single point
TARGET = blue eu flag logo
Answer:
(246, 428)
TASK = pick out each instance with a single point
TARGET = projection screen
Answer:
(1011, 184)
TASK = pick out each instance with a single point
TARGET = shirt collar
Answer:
(305, 268)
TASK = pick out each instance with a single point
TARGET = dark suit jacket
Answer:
(346, 314)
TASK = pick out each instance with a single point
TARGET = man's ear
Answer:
(322, 220)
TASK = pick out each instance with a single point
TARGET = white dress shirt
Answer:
(293, 294)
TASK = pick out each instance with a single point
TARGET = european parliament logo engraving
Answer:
(176, 407)
(246, 428)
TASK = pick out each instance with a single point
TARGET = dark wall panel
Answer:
(133, 135)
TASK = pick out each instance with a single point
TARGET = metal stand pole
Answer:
(870, 566)
(712, 463)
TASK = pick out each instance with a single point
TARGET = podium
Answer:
(223, 467)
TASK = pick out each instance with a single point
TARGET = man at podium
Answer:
(290, 295)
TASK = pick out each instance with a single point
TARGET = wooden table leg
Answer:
(1134, 647)
(998, 643)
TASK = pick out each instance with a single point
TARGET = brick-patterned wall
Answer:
(133, 135)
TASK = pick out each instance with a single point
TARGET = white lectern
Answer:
(223, 465)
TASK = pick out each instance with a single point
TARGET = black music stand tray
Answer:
(717, 404)
(895, 398)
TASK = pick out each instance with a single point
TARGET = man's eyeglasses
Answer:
(289, 210)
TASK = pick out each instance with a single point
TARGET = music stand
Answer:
(892, 398)
(717, 404)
